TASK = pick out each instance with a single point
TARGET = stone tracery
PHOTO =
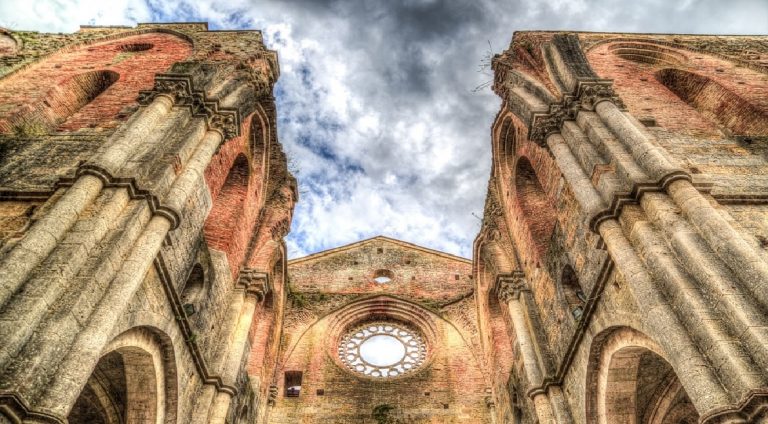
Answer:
(382, 349)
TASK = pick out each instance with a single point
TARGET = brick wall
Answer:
(75, 75)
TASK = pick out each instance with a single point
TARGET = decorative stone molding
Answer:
(130, 184)
(254, 283)
(751, 406)
(587, 95)
(16, 410)
(509, 286)
(179, 89)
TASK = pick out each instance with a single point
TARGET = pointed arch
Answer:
(715, 101)
(134, 381)
(227, 212)
(630, 381)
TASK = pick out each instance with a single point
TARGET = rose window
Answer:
(382, 350)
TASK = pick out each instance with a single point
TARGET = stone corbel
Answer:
(509, 286)
(179, 89)
(254, 283)
(587, 95)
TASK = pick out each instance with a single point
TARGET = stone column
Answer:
(509, 290)
(253, 287)
(724, 240)
(121, 146)
(46, 234)
(582, 188)
(64, 387)
(49, 231)
(648, 155)
(695, 373)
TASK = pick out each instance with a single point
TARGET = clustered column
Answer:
(549, 405)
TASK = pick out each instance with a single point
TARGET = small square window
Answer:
(321, 392)
(293, 383)
(380, 250)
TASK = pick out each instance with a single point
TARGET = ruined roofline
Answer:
(375, 238)
(202, 26)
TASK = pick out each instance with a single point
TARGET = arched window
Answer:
(63, 101)
(224, 220)
(507, 136)
(538, 211)
(715, 101)
(574, 296)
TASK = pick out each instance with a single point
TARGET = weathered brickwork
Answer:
(335, 291)
(620, 271)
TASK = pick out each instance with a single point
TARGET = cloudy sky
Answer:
(381, 103)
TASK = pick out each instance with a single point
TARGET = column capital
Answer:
(254, 283)
(509, 286)
(587, 94)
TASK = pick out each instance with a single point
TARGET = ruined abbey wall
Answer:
(622, 245)
(143, 201)
(335, 292)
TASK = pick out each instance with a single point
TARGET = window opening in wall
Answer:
(382, 349)
(574, 296)
(136, 47)
(383, 276)
(193, 290)
(380, 250)
(538, 211)
(293, 383)
(321, 392)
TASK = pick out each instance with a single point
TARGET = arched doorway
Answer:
(634, 384)
(129, 384)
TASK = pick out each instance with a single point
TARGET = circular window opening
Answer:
(382, 350)
(383, 276)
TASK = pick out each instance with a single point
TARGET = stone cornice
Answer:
(746, 410)
(134, 191)
(587, 95)
(638, 190)
(179, 89)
